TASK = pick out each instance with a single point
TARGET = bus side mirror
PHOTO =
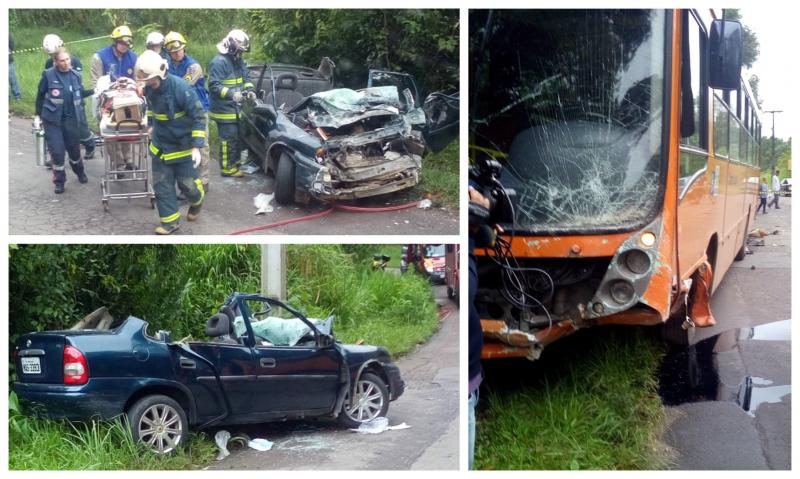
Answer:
(725, 52)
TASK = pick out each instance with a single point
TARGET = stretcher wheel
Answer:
(105, 206)
(152, 203)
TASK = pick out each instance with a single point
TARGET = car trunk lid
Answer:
(39, 358)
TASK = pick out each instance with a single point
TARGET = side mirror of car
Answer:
(265, 110)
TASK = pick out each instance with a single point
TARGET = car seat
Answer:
(286, 95)
(220, 327)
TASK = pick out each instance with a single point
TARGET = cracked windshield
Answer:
(575, 115)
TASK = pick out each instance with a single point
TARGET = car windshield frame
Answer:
(652, 129)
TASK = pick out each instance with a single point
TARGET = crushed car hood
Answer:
(342, 106)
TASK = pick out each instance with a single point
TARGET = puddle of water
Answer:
(313, 442)
(691, 374)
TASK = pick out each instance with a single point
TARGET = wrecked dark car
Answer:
(340, 144)
(258, 367)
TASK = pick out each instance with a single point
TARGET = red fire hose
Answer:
(334, 206)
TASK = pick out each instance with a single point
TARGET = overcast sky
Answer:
(775, 67)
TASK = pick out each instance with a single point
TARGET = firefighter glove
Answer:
(196, 157)
(37, 122)
(237, 96)
(251, 95)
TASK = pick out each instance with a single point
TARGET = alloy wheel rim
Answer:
(367, 402)
(160, 428)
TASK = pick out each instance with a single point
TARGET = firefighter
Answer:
(60, 106)
(189, 69)
(50, 44)
(155, 42)
(178, 134)
(229, 84)
(116, 60)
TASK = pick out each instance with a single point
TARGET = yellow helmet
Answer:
(174, 42)
(121, 32)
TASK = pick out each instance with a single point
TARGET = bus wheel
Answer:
(742, 251)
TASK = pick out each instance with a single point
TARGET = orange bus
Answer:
(632, 144)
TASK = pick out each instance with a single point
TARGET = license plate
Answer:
(31, 366)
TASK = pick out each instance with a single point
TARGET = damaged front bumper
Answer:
(396, 384)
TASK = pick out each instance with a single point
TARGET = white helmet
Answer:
(154, 38)
(236, 41)
(51, 43)
(150, 65)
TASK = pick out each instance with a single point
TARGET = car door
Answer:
(441, 109)
(294, 371)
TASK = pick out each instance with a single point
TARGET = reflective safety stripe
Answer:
(171, 218)
(57, 101)
(222, 116)
(202, 192)
(198, 134)
(149, 113)
(59, 168)
(223, 92)
(176, 155)
(164, 117)
(224, 156)
(233, 81)
(169, 156)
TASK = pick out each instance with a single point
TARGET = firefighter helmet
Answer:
(121, 32)
(174, 42)
(154, 38)
(235, 42)
(51, 43)
(150, 65)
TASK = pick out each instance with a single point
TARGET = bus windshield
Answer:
(572, 102)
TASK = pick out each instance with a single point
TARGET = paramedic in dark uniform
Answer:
(178, 134)
(59, 105)
(51, 44)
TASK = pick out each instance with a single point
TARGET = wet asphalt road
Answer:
(34, 209)
(708, 426)
(429, 405)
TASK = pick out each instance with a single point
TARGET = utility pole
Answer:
(772, 159)
(273, 271)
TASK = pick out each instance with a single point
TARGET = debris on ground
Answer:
(249, 168)
(378, 425)
(221, 438)
(747, 250)
(260, 444)
(760, 233)
(755, 242)
(263, 202)
(424, 204)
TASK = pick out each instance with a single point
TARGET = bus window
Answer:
(733, 152)
(692, 45)
(573, 101)
(720, 127)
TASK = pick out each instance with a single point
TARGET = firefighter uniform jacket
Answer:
(226, 75)
(182, 70)
(178, 119)
(117, 67)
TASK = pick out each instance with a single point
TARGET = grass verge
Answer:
(440, 174)
(41, 444)
(590, 402)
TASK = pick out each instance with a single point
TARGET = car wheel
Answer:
(371, 400)
(284, 180)
(159, 422)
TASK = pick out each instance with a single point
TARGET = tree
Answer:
(750, 40)
(423, 43)
(753, 81)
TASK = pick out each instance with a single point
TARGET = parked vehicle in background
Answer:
(256, 368)
(786, 187)
(434, 262)
(452, 261)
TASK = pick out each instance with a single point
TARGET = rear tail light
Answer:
(76, 370)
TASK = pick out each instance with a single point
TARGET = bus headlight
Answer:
(621, 291)
(636, 261)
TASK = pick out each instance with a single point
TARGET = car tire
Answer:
(371, 386)
(159, 422)
(284, 180)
